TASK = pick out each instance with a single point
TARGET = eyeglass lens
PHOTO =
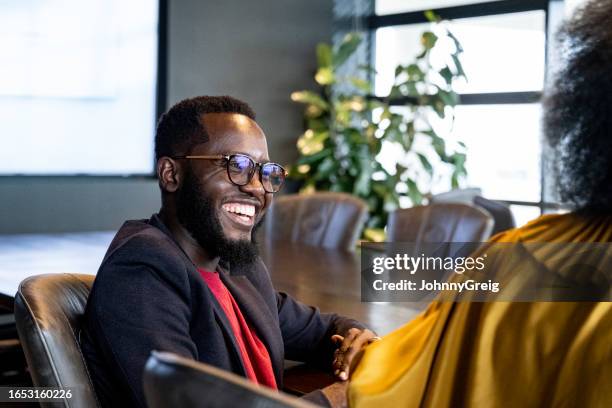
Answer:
(241, 169)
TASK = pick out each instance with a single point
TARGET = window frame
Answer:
(492, 8)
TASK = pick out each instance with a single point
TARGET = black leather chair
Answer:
(173, 381)
(325, 219)
(438, 223)
(458, 196)
(48, 312)
(502, 216)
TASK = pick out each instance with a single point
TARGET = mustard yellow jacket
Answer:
(498, 354)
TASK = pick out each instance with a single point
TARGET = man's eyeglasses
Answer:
(241, 168)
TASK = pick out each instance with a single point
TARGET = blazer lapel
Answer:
(261, 318)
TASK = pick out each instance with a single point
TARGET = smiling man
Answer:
(189, 280)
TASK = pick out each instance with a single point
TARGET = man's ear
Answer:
(168, 174)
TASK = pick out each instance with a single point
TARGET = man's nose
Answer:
(254, 186)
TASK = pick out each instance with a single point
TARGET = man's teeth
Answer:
(241, 209)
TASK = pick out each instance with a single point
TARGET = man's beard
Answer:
(197, 215)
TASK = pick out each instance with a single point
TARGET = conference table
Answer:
(327, 278)
(331, 280)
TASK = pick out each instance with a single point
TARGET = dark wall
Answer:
(259, 51)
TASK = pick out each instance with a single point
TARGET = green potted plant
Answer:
(346, 129)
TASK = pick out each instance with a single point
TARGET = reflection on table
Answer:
(331, 280)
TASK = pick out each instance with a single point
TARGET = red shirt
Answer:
(255, 357)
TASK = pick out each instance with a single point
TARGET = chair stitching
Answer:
(425, 221)
(462, 215)
(330, 212)
(295, 230)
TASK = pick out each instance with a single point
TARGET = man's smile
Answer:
(241, 213)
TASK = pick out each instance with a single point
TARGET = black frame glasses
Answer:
(268, 171)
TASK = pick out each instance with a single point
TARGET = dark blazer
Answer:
(148, 295)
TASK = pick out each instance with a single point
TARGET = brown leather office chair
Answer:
(48, 312)
(438, 223)
(325, 219)
(173, 381)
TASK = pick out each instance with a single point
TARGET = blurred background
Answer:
(83, 84)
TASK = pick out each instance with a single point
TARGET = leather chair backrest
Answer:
(502, 216)
(438, 223)
(48, 314)
(458, 195)
(325, 219)
(173, 381)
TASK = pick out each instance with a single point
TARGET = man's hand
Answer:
(349, 345)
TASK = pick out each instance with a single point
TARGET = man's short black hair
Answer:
(180, 128)
(578, 109)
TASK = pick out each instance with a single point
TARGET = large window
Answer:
(499, 115)
(78, 86)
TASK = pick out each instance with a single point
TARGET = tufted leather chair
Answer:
(48, 312)
(173, 381)
(438, 223)
(325, 219)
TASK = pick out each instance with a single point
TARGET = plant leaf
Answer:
(315, 157)
(367, 68)
(324, 55)
(374, 234)
(455, 180)
(437, 104)
(413, 192)
(425, 163)
(309, 97)
(395, 92)
(391, 202)
(311, 142)
(415, 73)
(428, 40)
(361, 84)
(317, 124)
(447, 74)
(432, 17)
(398, 70)
(455, 41)
(346, 49)
(362, 184)
(459, 160)
(458, 65)
(325, 169)
(448, 98)
(324, 76)
(439, 145)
